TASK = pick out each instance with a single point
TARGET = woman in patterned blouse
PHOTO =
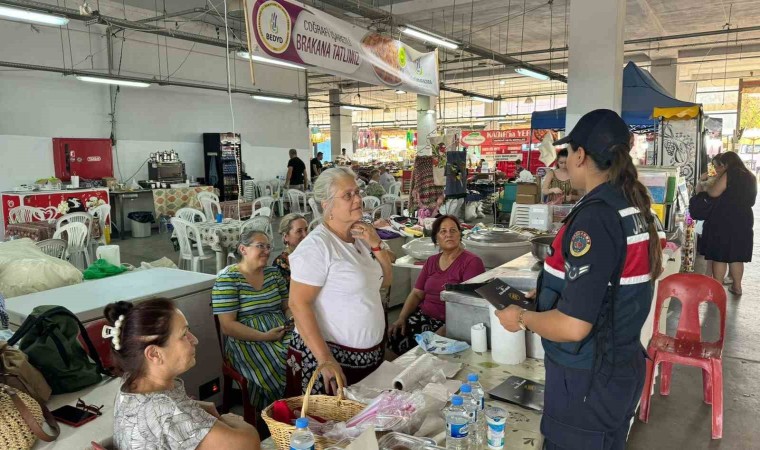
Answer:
(251, 301)
(293, 229)
(153, 346)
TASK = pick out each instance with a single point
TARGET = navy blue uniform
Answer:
(598, 272)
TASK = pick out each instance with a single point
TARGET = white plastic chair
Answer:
(191, 215)
(298, 202)
(384, 211)
(395, 189)
(103, 212)
(77, 234)
(262, 212)
(53, 247)
(83, 218)
(258, 224)
(262, 202)
(210, 204)
(315, 210)
(25, 214)
(313, 224)
(369, 203)
(184, 231)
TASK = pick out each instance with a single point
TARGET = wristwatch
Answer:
(383, 246)
(521, 321)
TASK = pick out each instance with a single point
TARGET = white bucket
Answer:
(110, 253)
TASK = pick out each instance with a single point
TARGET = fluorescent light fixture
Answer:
(481, 99)
(355, 108)
(503, 82)
(400, 91)
(115, 81)
(272, 61)
(265, 98)
(530, 73)
(430, 111)
(31, 16)
(427, 37)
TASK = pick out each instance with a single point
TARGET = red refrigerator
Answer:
(89, 159)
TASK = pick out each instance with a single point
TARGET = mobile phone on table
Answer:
(72, 416)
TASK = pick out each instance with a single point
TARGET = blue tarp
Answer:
(641, 94)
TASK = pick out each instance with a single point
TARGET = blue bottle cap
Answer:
(466, 389)
(303, 422)
(473, 377)
(456, 400)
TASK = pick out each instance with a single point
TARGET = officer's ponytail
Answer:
(623, 174)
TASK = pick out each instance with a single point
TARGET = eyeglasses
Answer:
(90, 408)
(350, 195)
(262, 247)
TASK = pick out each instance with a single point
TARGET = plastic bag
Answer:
(433, 343)
(141, 216)
(102, 269)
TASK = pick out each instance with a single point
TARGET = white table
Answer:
(99, 430)
(220, 237)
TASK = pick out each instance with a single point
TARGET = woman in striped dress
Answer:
(250, 299)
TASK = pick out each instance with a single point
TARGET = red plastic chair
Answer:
(687, 347)
(102, 345)
(229, 374)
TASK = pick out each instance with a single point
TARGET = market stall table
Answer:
(230, 209)
(168, 201)
(220, 237)
(36, 231)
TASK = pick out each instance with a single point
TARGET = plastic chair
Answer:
(298, 202)
(210, 204)
(262, 202)
(25, 214)
(395, 189)
(687, 348)
(191, 215)
(76, 239)
(264, 211)
(81, 217)
(101, 344)
(53, 247)
(313, 224)
(185, 231)
(384, 211)
(229, 374)
(369, 203)
(315, 209)
(260, 223)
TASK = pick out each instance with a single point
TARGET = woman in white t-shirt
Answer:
(336, 276)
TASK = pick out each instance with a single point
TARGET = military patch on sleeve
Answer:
(580, 244)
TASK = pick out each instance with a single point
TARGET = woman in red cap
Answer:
(595, 292)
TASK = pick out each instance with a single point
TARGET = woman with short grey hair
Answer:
(336, 276)
(293, 229)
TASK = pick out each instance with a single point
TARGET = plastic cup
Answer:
(496, 420)
(219, 218)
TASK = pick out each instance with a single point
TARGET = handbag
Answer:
(21, 419)
(700, 206)
(18, 373)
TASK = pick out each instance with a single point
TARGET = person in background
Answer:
(518, 167)
(386, 179)
(152, 344)
(293, 229)
(336, 276)
(251, 301)
(359, 181)
(480, 165)
(296, 177)
(374, 188)
(316, 165)
(706, 181)
(595, 293)
(556, 185)
(727, 232)
(423, 309)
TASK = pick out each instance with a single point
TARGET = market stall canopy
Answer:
(642, 94)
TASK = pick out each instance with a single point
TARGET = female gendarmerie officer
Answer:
(595, 293)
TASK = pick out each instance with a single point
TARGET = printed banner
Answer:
(307, 36)
(507, 143)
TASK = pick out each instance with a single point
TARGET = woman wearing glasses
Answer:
(250, 299)
(335, 281)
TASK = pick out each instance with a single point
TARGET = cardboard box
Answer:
(526, 199)
(528, 189)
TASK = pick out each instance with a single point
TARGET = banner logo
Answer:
(273, 25)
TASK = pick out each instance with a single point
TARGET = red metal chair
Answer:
(686, 347)
(229, 374)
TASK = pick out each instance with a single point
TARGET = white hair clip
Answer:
(114, 332)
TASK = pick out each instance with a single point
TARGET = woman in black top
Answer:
(728, 232)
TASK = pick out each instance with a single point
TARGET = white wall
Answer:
(37, 106)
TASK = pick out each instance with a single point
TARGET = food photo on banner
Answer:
(311, 38)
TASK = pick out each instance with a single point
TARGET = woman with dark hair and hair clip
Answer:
(152, 345)
(728, 229)
(595, 293)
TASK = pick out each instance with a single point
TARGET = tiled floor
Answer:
(680, 420)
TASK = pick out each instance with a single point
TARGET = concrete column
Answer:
(685, 91)
(492, 109)
(426, 123)
(665, 71)
(595, 70)
(341, 134)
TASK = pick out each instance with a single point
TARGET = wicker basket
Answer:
(325, 406)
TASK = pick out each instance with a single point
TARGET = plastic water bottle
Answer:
(471, 407)
(480, 398)
(457, 425)
(302, 439)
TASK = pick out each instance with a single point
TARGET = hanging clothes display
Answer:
(456, 174)
(425, 196)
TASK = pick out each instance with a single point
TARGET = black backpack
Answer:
(49, 337)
